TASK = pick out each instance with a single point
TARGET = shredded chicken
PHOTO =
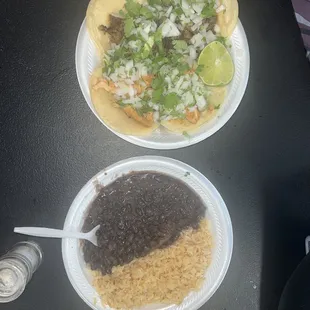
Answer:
(192, 116)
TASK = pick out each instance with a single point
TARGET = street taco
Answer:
(114, 116)
(149, 74)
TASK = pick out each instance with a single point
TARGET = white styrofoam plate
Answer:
(216, 212)
(87, 60)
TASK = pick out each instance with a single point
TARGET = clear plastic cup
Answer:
(16, 269)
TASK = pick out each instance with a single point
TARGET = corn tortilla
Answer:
(228, 18)
(97, 14)
(216, 97)
(112, 114)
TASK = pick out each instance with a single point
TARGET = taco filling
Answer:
(151, 68)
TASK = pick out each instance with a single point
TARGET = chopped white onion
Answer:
(156, 116)
(180, 107)
(184, 4)
(189, 98)
(169, 11)
(217, 28)
(129, 81)
(113, 77)
(173, 17)
(129, 65)
(179, 82)
(185, 85)
(192, 53)
(144, 35)
(131, 91)
(153, 26)
(198, 7)
(169, 29)
(201, 102)
(210, 36)
(147, 28)
(197, 19)
(138, 105)
(196, 40)
(156, 107)
(196, 26)
(220, 8)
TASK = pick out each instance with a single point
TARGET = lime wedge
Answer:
(218, 67)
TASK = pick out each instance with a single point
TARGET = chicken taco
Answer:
(151, 73)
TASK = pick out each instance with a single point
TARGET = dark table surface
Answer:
(51, 144)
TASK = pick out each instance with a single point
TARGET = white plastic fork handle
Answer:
(48, 232)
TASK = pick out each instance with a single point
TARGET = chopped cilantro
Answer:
(144, 11)
(171, 100)
(144, 109)
(177, 114)
(221, 40)
(157, 95)
(121, 13)
(217, 106)
(180, 45)
(157, 82)
(133, 8)
(199, 69)
(158, 37)
(145, 52)
(117, 64)
(183, 67)
(208, 11)
(153, 2)
(129, 25)
(186, 135)
(166, 2)
(178, 11)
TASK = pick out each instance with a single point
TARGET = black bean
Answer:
(138, 212)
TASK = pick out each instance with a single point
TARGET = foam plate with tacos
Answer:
(162, 74)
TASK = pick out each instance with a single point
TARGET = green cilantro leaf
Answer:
(221, 40)
(171, 100)
(166, 2)
(186, 135)
(157, 95)
(144, 109)
(180, 45)
(153, 2)
(158, 37)
(178, 11)
(183, 67)
(177, 114)
(208, 11)
(129, 25)
(144, 11)
(199, 69)
(121, 13)
(157, 82)
(133, 8)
